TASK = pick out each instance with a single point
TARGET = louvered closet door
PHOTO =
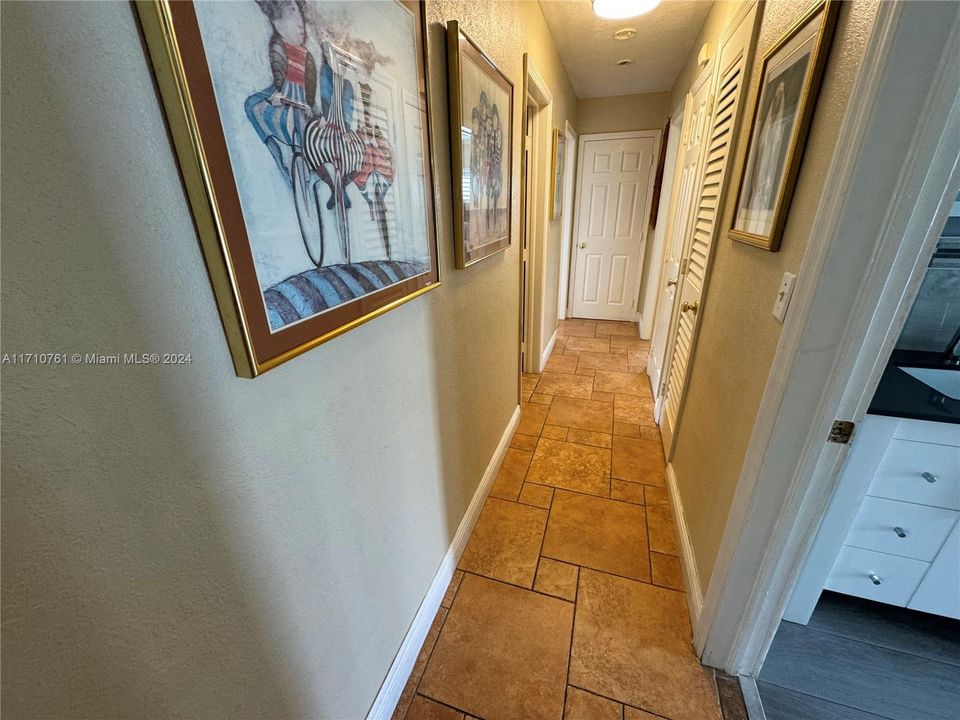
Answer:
(732, 72)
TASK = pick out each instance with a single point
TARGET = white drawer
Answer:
(928, 432)
(898, 576)
(901, 474)
(880, 524)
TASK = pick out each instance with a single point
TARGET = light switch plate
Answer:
(783, 296)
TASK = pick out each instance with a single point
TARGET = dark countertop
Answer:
(901, 395)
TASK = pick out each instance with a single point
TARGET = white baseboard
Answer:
(751, 698)
(396, 680)
(547, 350)
(691, 577)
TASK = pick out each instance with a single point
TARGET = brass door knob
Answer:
(581, 245)
(690, 306)
(671, 283)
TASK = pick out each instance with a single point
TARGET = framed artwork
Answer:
(658, 177)
(481, 139)
(559, 162)
(790, 79)
(303, 138)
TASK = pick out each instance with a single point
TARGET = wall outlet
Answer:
(783, 296)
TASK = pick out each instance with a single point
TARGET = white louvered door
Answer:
(732, 72)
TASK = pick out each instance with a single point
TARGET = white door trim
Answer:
(566, 242)
(656, 136)
(897, 151)
(539, 94)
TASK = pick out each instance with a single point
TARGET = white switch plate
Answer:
(783, 296)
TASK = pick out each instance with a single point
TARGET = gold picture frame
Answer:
(557, 164)
(482, 170)
(790, 78)
(257, 339)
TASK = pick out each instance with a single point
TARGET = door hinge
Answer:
(841, 431)
(684, 264)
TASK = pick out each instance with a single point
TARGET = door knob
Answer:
(581, 245)
(671, 283)
(874, 578)
(690, 306)
(929, 477)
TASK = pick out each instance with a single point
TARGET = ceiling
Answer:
(663, 41)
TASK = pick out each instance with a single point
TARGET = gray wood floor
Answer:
(858, 660)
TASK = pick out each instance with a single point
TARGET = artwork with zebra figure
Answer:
(482, 114)
(321, 107)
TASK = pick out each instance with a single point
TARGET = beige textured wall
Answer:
(178, 542)
(720, 14)
(738, 336)
(619, 113)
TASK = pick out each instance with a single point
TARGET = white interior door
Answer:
(685, 186)
(613, 204)
(718, 140)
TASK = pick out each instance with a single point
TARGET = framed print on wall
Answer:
(559, 162)
(790, 79)
(481, 139)
(302, 133)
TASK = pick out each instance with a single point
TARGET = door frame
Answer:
(535, 215)
(656, 136)
(898, 154)
(566, 242)
(658, 247)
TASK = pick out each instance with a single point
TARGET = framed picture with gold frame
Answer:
(302, 131)
(790, 79)
(481, 147)
(559, 161)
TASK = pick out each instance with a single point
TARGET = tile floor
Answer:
(568, 601)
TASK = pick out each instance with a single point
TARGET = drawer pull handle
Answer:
(901, 533)
(875, 579)
(929, 477)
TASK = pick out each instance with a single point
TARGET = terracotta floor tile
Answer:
(623, 342)
(633, 409)
(452, 589)
(531, 418)
(510, 476)
(591, 344)
(632, 643)
(582, 705)
(561, 363)
(426, 709)
(505, 543)
(536, 495)
(598, 533)
(650, 432)
(602, 361)
(589, 437)
(564, 384)
(554, 432)
(557, 578)
(571, 331)
(655, 495)
(502, 653)
(666, 570)
(524, 442)
(663, 539)
(616, 327)
(410, 689)
(586, 372)
(540, 399)
(638, 357)
(602, 397)
(581, 414)
(627, 491)
(571, 466)
(637, 460)
(630, 713)
(625, 428)
(528, 381)
(625, 383)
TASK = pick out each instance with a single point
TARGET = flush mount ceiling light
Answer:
(625, 34)
(620, 9)
(625, 61)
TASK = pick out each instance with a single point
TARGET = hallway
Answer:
(568, 600)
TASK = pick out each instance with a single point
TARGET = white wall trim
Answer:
(569, 182)
(548, 349)
(898, 139)
(751, 698)
(688, 561)
(396, 679)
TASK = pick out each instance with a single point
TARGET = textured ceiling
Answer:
(589, 52)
